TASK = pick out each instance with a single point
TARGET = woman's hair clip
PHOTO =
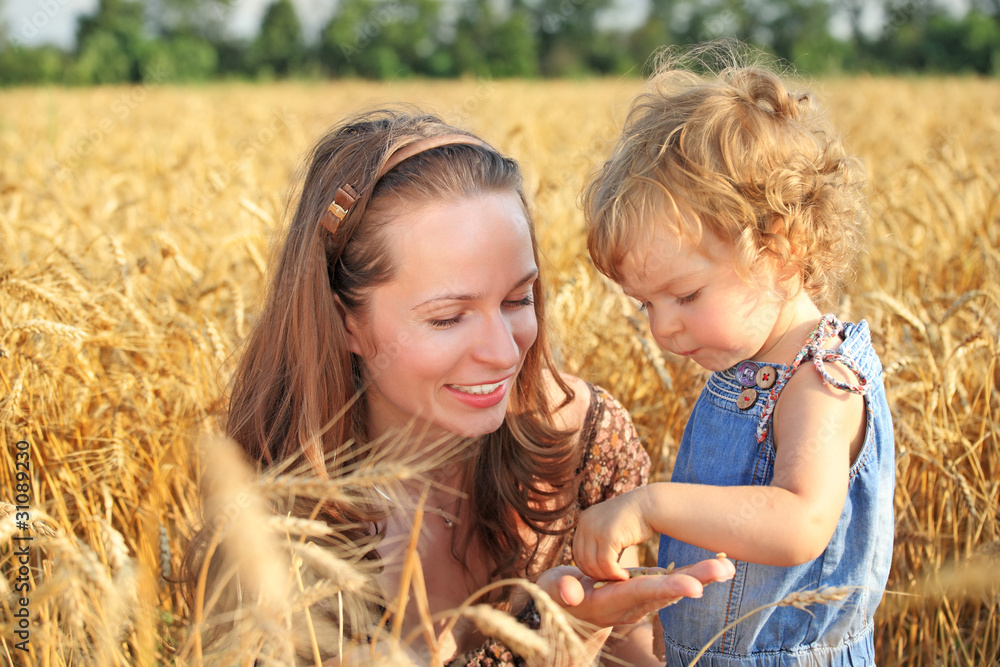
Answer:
(346, 195)
(343, 201)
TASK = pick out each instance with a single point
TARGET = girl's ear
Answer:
(786, 276)
(351, 325)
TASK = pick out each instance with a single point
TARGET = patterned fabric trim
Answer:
(828, 327)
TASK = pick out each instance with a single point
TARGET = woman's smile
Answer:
(480, 395)
(477, 389)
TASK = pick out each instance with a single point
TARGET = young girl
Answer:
(729, 211)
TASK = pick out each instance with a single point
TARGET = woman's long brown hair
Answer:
(294, 389)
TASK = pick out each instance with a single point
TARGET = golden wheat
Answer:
(494, 623)
(127, 288)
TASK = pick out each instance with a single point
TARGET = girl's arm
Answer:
(818, 430)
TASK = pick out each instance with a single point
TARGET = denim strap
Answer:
(828, 327)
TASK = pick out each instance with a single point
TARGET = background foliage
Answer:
(186, 40)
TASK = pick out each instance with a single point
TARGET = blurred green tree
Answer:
(279, 49)
(26, 66)
(385, 39)
(494, 43)
(112, 44)
(185, 40)
(183, 57)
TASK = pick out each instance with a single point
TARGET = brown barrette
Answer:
(343, 201)
(346, 194)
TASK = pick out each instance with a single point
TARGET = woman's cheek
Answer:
(525, 329)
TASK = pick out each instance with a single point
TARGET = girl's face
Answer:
(698, 306)
(445, 339)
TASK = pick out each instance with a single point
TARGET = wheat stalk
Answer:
(799, 600)
(30, 292)
(495, 623)
(9, 404)
(49, 328)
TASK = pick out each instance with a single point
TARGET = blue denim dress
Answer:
(720, 447)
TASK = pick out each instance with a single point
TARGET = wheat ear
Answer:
(798, 599)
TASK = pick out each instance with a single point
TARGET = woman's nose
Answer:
(498, 346)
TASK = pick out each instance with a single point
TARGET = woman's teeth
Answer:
(477, 389)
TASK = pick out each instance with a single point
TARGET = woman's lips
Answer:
(484, 395)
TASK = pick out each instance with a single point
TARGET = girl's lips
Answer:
(484, 395)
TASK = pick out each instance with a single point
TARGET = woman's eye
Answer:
(689, 298)
(509, 304)
(642, 306)
(444, 324)
(519, 303)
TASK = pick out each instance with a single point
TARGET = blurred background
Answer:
(83, 42)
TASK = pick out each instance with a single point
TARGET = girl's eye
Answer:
(520, 303)
(689, 298)
(639, 305)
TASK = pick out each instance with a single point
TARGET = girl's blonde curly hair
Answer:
(731, 150)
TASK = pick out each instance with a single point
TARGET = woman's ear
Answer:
(351, 325)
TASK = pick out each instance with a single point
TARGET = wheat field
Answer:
(136, 226)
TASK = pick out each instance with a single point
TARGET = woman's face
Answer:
(445, 339)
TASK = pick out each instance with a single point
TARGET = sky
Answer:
(34, 22)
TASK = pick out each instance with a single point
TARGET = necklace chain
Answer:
(449, 521)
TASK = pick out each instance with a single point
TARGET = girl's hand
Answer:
(627, 602)
(607, 529)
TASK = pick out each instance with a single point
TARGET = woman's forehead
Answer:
(474, 243)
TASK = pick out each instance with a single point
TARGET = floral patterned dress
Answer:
(613, 462)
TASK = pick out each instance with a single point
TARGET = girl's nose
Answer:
(664, 324)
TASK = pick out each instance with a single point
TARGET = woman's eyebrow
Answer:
(455, 296)
(530, 275)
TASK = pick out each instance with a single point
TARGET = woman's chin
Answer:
(478, 427)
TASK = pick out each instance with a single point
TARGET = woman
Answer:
(410, 274)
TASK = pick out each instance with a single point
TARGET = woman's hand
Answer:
(626, 602)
